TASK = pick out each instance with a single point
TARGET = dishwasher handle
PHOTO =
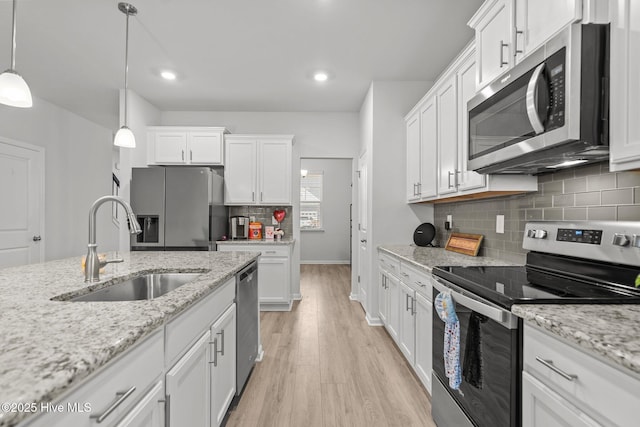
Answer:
(246, 274)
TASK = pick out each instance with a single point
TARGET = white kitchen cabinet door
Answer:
(429, 149)
(149, 411)
(188, 387)
(493, 24)
(625, 85)
(542, 407)
(466, 90)
(205, 148)
(538, 20)
(273, 276)
(424, 345)
(383, 302)
(170, 147)
(240, 172)
(448, 137)
(407, 333)
(393, 315)
(413, 157)
(275, 172)
(223, 366)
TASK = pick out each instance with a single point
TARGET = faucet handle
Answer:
(110, 261)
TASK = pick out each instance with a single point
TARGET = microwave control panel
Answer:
(555, 71)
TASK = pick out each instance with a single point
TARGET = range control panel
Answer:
(593, 237)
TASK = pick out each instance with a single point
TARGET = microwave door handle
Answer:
(532, 110)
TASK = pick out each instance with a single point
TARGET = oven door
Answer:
(494, 398)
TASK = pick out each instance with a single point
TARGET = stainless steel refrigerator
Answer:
(178, 207)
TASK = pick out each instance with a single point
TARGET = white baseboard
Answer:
(296, 297)
(340, 262)
(374, 321)
(354, 297)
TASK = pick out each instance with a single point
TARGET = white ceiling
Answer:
(230, 55)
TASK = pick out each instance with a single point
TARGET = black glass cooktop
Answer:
(587, 284)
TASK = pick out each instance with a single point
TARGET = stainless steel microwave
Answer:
(549, 111)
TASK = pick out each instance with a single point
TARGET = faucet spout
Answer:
(93, 264)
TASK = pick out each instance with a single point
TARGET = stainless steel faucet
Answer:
(92, 263)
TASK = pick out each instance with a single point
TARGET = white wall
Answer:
(332, 244)
(316, 134)
(390, 219)
(78, 156)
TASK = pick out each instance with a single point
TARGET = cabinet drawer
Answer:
(265, 250)
(274, 251)
(133, 372)
(602, 391)
(389, 263)
(419, 280)
(184, 330)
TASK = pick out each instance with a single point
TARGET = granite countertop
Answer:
(427, 257)
(50, 346)
(609, 332)
(289, 241)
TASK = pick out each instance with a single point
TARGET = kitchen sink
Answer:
(145, 287)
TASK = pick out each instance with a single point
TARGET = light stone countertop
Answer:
(426, 257)
(47, 347)
(609, 332)
(288, 241)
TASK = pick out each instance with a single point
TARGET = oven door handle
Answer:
(473, 304)
(532, 92)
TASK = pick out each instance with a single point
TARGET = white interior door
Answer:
(22, 195)
(362, 231)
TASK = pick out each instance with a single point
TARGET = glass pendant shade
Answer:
(14, 90)
(124, 138)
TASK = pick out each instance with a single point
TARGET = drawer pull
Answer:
(121, 396)
(405, 274)
(269, 252)
(419, 283)
(549, 364)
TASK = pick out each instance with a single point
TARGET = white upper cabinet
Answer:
(447, 136)
(258, 170)
(171, 145)
(429, 149)
(625, 85)
(538, 20)
(413, 157)
(493, 24)
(508, 30)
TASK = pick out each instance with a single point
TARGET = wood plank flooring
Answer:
(324, 366)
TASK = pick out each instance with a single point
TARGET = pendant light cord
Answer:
(13, 38)
(126, 66)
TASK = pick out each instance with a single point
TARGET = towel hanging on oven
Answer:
(446, 311)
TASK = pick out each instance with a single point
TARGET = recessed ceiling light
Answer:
(168, 75)
(320, 76)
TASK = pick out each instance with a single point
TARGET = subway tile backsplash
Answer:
(264, 214)
(585, 193)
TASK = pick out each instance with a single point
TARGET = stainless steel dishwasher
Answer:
(247, 324)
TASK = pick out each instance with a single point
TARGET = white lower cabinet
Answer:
(405, 309)
(274, 273)
(423, 350)
(149, 412)
(188, 386)
(564, 386)
(407, 336)
(223, 365)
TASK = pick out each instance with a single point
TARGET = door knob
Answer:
(363, 241)
(37, 238)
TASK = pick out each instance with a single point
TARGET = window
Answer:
(311, 200)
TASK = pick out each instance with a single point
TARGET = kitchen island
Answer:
(49, 345)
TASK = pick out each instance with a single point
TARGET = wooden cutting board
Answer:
(468, 244)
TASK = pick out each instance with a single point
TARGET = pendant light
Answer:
(124, 136)
(13, 89)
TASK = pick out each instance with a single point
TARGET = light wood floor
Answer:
(324, 366)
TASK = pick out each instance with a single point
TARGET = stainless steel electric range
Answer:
(567, 263)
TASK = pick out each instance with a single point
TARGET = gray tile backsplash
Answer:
(264, 214)
(590, 192)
